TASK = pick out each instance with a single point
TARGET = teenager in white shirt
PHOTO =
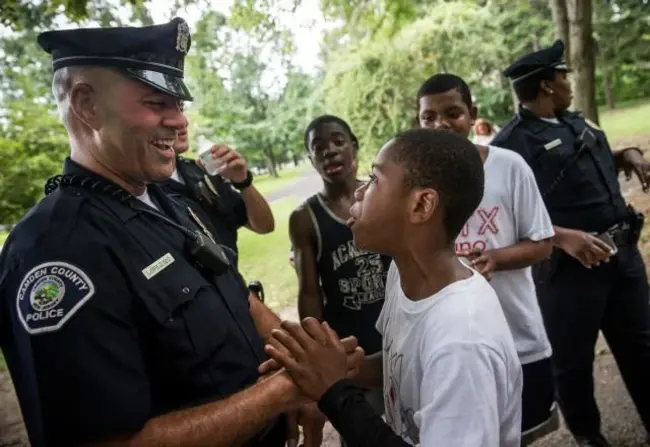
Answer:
(451, 376)
(509, 231)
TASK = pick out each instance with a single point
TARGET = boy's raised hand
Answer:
(313, 355)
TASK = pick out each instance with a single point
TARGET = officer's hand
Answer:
(633, 161)
(482, 261)
(349, 343)
(233, 165)
(587, 249)
(312, 354)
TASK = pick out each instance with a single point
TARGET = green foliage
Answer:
(373, 85)
(242, 102)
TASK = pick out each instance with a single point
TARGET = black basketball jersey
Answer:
(353, 281)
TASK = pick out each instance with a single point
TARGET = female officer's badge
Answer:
(50, 294)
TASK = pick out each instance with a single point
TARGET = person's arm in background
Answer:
(258, 212)
(304, 242)
(263, 317)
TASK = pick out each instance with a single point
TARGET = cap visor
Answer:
(172, 85)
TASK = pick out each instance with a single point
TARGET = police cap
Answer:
(533, 63)
(152, 54)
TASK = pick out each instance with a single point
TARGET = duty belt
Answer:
(620, 232)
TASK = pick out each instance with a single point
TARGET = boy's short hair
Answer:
(443, 82)
(324, 119)
(446, 162)
(529, 88)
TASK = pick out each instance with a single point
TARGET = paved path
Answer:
(307, 185)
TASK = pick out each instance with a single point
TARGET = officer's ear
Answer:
(84, 104)
(545, 86)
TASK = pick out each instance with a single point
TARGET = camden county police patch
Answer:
(50, 294)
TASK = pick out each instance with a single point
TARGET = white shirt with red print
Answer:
(512, 210)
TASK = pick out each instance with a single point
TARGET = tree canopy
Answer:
(251, 94)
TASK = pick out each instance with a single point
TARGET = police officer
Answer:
(121, 319)
(595, 279)
(229, 199)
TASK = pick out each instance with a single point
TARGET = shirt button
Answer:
(185, 290)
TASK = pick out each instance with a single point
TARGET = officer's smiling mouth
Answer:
(164, 145)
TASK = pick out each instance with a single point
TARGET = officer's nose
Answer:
(175, 119)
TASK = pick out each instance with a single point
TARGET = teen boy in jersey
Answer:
(338, 282)
(509, 231)
(449, 364)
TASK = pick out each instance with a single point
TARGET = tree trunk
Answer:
(296, 160)
(561, 23)
(271, 163)
(582, 58)
(607, 86)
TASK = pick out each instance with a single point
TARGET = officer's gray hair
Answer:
(62, 83)
(64, 80)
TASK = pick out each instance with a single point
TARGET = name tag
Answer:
(552, 144)
(158, 266)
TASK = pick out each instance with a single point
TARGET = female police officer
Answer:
(120, 318)
(579, 292)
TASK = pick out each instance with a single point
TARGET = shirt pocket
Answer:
(186, 310)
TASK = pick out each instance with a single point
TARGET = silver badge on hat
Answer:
(182, 37)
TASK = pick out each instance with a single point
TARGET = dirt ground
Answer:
(621, 424)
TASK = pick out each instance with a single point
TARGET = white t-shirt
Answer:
(146, 198)
(512, 210)
(451, 372)
(176, 176)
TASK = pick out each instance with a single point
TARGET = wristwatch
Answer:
(246, 183)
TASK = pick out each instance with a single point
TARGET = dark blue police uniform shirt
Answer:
(106, 322)
(580, 191)
(226, 215)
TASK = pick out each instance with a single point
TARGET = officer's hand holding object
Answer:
(584, 247)
(233, 165)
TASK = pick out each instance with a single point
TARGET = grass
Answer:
(265, 258)
(3, 237)
(266, 183)
(626, 122)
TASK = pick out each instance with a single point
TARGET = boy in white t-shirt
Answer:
(509, 231)
(451, 376)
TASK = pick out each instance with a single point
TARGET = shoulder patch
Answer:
(50, 294)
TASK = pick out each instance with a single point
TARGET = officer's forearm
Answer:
(258, 211)
(224, 423)
(521, 255)
(263, 317)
